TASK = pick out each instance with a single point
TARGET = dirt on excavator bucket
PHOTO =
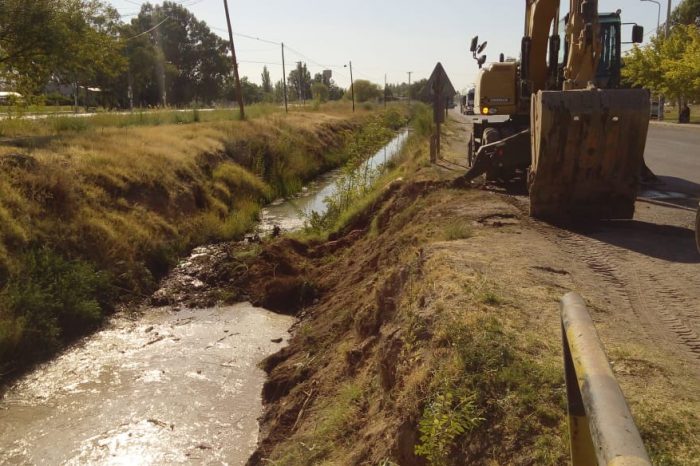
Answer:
(587, 153)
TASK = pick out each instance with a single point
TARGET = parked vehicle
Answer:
(469, 107)
(7, 98)
(654, 109)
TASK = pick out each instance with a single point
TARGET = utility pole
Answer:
(409, 87)
(384, 90)
(284, 80)
(352, 87)
(235, 63)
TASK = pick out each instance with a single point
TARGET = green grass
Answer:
(486, 389)
(671, 114)
(457, 230)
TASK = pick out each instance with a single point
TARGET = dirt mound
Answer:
(272, 275)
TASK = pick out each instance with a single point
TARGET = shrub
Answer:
(49, 299)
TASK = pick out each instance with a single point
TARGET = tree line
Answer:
(162, 56)
(670, 66)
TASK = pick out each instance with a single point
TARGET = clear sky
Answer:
(379, 36)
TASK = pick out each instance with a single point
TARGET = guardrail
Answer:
(601, 427)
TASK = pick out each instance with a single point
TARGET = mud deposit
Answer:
(168, 387)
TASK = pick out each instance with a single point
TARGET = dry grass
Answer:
(472, 348)
(130, 200)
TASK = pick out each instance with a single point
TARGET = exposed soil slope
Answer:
(434, 329)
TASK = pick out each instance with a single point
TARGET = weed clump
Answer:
(49, 299)
(487, 391)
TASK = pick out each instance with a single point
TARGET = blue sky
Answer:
(389, 36)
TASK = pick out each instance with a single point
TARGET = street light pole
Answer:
(658, 16)
(235, 63)
(660, 109)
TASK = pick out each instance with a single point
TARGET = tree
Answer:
(279, 92)
(299, 82)
(320, 92)
(182, 57)
(365, 90)
(30, 33)
(72, 39)
(687, 12)
(266, 81)
(669, 66)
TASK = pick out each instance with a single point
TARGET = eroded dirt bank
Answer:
(429, 329)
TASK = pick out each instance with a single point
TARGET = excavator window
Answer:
(608, 75)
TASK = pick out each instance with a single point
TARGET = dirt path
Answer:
(646, 269)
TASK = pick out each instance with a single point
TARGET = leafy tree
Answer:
(320, 92)
(252, 93)
(299, 83)
(72, 39)
(669, 66)
(182, 57)
(279, 91)
(266, 81)
(687, 12)
(30, 34)
(365, 90)
(92, 51)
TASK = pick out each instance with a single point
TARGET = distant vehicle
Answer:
(654, 109)
(9, 97)
(469, 107)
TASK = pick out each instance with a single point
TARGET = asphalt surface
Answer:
(673, 154)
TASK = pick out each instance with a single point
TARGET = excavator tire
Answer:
(587, 153)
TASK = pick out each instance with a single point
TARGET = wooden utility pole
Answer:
(235, 63)
(409, 87)
(352, 87)
(384, 90)
(284, 80)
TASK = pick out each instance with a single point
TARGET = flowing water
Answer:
(168, 387)
(290, 214)
(162, 386)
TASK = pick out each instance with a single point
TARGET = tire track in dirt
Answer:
(661, 295)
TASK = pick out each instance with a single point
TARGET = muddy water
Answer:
(290, 214)
(168, 387)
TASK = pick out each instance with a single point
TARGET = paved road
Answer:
(673, 153)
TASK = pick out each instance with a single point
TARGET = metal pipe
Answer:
(600, 423)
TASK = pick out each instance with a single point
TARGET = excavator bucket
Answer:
(587, 153)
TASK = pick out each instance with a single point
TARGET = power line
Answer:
(149, 30)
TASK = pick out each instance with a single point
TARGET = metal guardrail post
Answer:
(601, 426)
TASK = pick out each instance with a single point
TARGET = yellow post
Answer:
(601, 426)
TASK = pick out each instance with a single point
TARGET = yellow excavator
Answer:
(559, 120)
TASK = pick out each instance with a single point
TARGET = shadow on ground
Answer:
(666, 242)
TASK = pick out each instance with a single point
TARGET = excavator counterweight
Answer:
(587, 153)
